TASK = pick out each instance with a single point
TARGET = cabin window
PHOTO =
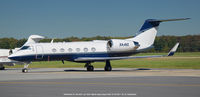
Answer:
(25, 48)
(62, 50)
(78, 49)
(85, 49)
(70, 49)
(53, 50)
(93, 49)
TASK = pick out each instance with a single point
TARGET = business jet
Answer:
(94, 51)
(4, 53)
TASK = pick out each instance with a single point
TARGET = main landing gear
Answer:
(89, 67)
(25, 69)
(107, 67)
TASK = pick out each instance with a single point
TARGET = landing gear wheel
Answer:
(108, 68)
(90, 68)
(25, 70)
(2, 68)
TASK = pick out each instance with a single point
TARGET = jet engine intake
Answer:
(122, 45)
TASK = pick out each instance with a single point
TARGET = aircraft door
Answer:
(39, 52)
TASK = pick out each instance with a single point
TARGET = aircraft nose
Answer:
(13, 57)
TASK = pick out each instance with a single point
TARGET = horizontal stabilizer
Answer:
(166, 20)
(149, 23)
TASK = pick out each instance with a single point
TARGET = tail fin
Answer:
(148, 32)
(34, 39)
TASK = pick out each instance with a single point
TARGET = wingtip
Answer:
(173, 50)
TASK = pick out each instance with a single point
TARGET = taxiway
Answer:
(76, 82)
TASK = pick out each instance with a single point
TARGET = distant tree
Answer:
(189, 43)
(21, 42)
(8, 43)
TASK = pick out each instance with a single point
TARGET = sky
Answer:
(88, 18)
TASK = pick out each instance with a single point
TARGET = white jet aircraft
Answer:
(94, 51)
(4, 53)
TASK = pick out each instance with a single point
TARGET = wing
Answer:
(171, 53)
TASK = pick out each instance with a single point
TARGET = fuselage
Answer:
(67, 51)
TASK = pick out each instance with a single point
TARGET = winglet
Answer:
(173, 50)
(52, 40)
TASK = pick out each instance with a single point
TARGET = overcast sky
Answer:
(87, 18)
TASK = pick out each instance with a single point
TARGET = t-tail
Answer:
(148, 32)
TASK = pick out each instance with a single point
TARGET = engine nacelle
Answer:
(122, 45)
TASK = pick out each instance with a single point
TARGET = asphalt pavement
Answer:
(76, 82)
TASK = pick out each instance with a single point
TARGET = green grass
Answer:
(177, 54)
(189, 60)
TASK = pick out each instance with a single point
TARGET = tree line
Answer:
(189, 43)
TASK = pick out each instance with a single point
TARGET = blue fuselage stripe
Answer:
(67, 57)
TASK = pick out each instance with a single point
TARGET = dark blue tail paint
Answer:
(149, 23)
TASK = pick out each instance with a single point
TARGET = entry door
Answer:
(39, 52)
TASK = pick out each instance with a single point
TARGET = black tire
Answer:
(90, 68)
(108, 68)
(25, 70)
(2, 68)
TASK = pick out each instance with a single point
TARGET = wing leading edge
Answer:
(171, 53)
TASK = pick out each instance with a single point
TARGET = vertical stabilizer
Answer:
(34, 39)
(148, 32)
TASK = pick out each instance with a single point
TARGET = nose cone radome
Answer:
(13, 57)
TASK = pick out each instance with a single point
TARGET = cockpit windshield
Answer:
(25, 48)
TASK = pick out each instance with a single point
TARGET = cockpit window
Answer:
(25, 48)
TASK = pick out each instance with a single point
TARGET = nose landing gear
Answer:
(25, 69)
(2, 67)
